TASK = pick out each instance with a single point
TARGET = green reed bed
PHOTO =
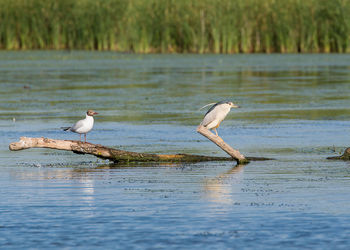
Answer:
(193, 26)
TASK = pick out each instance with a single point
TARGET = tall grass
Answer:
(163, 26)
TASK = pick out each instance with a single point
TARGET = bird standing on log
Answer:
(216, 114)
(83, 126)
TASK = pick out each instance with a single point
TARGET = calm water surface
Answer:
(295, 108)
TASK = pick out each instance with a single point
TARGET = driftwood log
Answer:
(103, 152)
(345, 156)
(112, 154)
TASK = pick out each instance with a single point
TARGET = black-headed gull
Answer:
(83, 126)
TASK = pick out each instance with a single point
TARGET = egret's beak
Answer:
(95, 113)
(235, 106)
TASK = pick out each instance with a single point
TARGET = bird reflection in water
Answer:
(221, 189)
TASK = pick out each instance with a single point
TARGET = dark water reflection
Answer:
(295, 109)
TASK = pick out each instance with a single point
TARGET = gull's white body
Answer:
(83, 126)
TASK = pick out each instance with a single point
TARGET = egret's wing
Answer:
(77, 125)
(209, 116)
(216, 104)
(206, 105)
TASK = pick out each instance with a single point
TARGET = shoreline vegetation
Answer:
(177, 26)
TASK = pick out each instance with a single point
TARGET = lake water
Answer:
(295, 108)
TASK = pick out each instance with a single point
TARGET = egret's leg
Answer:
(85, 137)
(80, 137)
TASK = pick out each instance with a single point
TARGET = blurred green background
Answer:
(177, 26)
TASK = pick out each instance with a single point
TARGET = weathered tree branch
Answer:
(112, 154)
(103, 152)
(345, 156)
(235, 154)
